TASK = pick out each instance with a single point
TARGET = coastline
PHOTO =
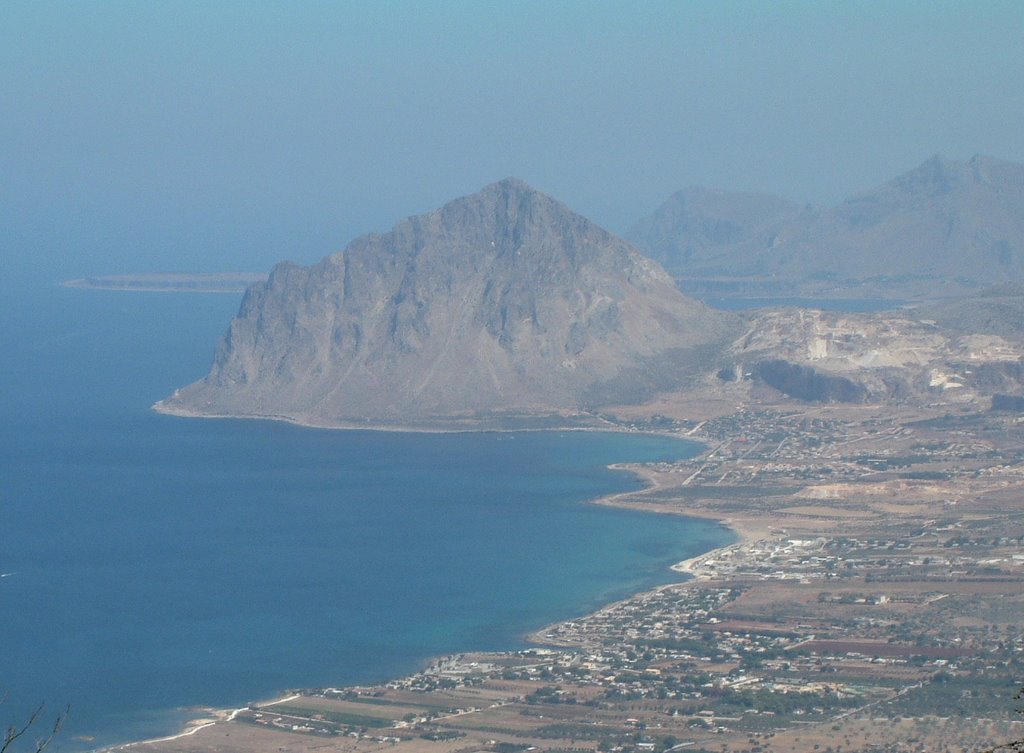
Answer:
(811, 528)
(621, 500)
(745, 534)
(219, 716)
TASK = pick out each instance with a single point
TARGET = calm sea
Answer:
(154, 563)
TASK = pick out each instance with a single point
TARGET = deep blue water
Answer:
(157, 563)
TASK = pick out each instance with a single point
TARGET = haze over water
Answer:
(158, 562)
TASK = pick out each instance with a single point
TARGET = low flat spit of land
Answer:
(172, 282)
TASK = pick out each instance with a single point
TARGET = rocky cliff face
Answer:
(500, 302)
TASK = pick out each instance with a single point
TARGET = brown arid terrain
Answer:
(872, 601)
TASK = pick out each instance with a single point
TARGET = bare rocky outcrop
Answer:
(502, 302)
(828, 356)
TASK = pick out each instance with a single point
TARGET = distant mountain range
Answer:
(943, 227)
(500, 302)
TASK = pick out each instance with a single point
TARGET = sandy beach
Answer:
(217, 716)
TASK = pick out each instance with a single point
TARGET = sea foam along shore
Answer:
(217, 716)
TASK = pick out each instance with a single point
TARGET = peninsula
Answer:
(171, 282)
(872, 464)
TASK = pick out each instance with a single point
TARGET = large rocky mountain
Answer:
(501, 302)
(943, 222)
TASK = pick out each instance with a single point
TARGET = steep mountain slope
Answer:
(500, 302)
(943, 221)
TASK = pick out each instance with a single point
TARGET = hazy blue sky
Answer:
(200, 136)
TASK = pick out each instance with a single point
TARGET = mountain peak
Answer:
(511, 184)
(938, 174)
(512, 191)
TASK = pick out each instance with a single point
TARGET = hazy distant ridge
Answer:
(696, 222)
(945, 220)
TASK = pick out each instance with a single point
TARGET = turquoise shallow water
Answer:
(157, 563)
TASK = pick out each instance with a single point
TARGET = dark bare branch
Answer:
(15, 732)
